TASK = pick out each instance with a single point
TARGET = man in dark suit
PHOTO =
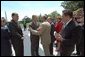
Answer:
(34, 38)
(5, 40)
(52, 34)
(69, 34)
(16, 35)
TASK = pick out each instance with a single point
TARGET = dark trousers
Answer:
(66, 50)
(18, 47)
(80, 49)
(34, 46)
(6, 51)
(77, 49)
(51, 45)
(51, 48)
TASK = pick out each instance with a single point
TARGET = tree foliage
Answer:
(73, 5)
(25, 20)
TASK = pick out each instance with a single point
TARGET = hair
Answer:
(80, 11)
(49, 18)
(45, 17)
(2, 18)
(68, 12)
(33, 16)
(13, 14)
(59, 17)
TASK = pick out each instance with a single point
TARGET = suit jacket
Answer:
(15, 29)
(44, 32)
(5, 43)
(52, 32)
(70, 34)
(34, 26)
(81, 39)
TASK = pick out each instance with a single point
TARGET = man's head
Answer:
(49, 19)
(15, 16)
(44, 18)
(66, 15)
(34, 18)
(3, 21)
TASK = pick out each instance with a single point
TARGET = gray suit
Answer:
(34, 40)
(44, 32)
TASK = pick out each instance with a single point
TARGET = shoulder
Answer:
(45, 23)
(10, 23)
(72, 24)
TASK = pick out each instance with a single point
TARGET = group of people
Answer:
(67, 31)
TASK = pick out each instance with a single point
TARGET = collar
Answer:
(67, 22)
(14, 21)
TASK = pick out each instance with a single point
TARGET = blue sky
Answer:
(28, 8)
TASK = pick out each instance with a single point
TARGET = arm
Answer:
(13, 30)
(39, 31)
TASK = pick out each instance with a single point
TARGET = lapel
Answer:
(68, 28)
(35, 25)
(16, 25)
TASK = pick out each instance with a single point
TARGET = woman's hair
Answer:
(59, 17)
(80, 12)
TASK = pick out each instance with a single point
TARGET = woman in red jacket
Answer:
(58, 28)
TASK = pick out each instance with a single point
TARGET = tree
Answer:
(73, 5)
(53, 15)
(39, 18)
(25, 20)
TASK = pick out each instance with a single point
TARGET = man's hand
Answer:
(59, 37)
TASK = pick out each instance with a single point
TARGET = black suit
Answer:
(16, 35)
(80, 42)
(52, 38)
(5, 43)
(70, 34)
